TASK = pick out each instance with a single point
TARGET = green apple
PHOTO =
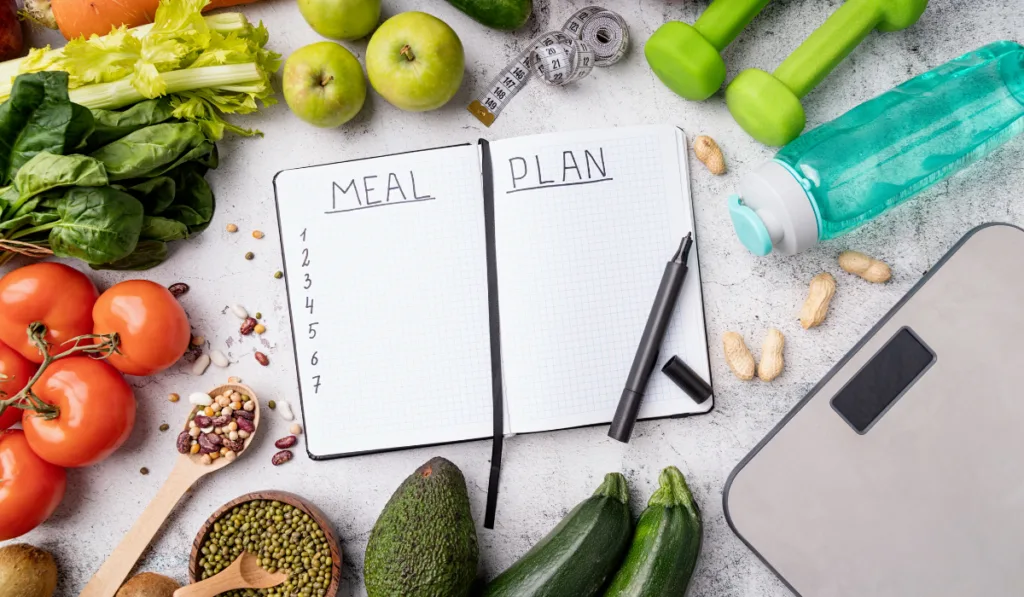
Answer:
(415, 61)
(341, 19)
(323, 84)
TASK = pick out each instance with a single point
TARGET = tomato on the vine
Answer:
(30, 488)
(94, 412)
(54, 294)
(151, 326)
(15, 373)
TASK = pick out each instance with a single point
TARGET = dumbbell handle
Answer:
(723, 20)
(820, 53)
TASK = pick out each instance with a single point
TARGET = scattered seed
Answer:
(249, 256)
(281, 457)
(178, 289)
(164, 427)
(259, 315)
(262, 359)
(239, 311)
(200, 399)
(219, 359)
(271, 405)
(257, 234)
(198, 340)
(232, 228)
(286, 442)
(202, 362)
(260, 328)
(278, 275)
(247, 326)
(234, 379)
(173, 397)
(286, 411)
(144, 470)
(295, 429)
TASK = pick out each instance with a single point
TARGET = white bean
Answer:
(239, 311)
(199, 367)
(200, 399)
(286, 410)
(218, 358)
(206, 429)
(295, 429)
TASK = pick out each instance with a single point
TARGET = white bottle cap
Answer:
(773, 210)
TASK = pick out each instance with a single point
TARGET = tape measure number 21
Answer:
(591, 37)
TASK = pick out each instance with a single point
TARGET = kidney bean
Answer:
(286, 442)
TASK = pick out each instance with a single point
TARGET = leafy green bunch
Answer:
(209, 66)
(108, 188)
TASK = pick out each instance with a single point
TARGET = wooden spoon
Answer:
(185, 473)
(243, 573)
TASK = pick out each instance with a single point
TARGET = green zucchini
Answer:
(580, 554)
(666, 544)
(497, 14)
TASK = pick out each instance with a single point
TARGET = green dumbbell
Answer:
(768, 107)
(688, 59)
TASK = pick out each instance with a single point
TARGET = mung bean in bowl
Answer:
(284, 531)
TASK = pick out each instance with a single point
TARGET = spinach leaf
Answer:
(46, 171)
(194, 203)
(81, 126)
(156, 194)
(36, 218)
(147, 151)
(37, 117)
(165, 229)
(110, 125)
(147, 254)
(96, 225)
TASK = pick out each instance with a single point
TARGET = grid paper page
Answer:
(585, 223)
(388, 297)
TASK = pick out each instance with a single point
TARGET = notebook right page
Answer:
(584, 224)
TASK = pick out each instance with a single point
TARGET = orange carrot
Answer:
(87, 17)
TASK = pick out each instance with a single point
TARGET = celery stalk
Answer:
(224, 23)
(118, 94)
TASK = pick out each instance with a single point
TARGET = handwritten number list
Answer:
(307, 284)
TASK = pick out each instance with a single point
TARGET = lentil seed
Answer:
(164, 427)
(278, 275)
(231, 228)
(249, 256)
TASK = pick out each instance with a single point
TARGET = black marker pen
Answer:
(650, 343)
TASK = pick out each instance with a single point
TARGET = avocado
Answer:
(424, 542)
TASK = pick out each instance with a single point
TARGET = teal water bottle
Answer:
(879, 154)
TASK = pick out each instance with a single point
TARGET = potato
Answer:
(148, 584)
(27, 571)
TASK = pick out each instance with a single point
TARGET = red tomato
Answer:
(51, 293)
(152, 327)
(18, 370)
(96, 412)
(30, 488)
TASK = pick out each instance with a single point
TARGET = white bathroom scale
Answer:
(901, 474)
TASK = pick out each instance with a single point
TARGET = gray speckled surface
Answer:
(545, 474)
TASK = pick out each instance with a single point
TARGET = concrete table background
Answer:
(546, 474)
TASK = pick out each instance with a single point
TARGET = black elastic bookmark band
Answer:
(497, 393)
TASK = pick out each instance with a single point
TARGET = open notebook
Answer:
(426, 287)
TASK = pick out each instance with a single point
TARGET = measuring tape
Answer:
(591, 37)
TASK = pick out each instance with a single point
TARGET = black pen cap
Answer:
(684, 377)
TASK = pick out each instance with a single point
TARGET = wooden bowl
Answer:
(285, 498)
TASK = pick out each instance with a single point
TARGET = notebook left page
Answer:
(385, 263)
